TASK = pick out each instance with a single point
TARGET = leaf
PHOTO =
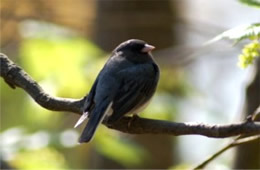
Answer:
(252, 3)
(239, 33)
(250, 52)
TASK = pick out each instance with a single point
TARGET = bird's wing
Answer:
(100, 102)
(138, 84)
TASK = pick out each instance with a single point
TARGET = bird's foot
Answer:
(249, 118)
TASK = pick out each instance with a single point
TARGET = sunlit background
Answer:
(63, 44)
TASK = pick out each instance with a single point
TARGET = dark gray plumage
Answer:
(125, 85)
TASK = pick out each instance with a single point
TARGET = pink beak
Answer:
(147, 48)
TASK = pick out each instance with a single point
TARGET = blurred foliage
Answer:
(246, 32)
(178, 86)
(252, 3)
(120, 149)
(66, 66)
(45, 158)
(181, 166)
(249, 53)
(56, 63)
(163, 106)
(8, 110)
(16, 139)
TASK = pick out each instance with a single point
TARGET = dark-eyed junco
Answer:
(125, 85)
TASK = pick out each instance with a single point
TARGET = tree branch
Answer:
(14, 76)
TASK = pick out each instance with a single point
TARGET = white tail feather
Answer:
(81, 119)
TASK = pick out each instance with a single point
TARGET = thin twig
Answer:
(241, 139)
(235, 142)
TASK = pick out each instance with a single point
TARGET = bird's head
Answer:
(134, 47)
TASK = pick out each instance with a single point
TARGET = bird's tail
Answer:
(94, 120)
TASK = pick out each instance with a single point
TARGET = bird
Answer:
(124, 86)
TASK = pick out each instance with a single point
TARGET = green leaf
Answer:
(249, 53)
(251, 3)
(239, 33)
